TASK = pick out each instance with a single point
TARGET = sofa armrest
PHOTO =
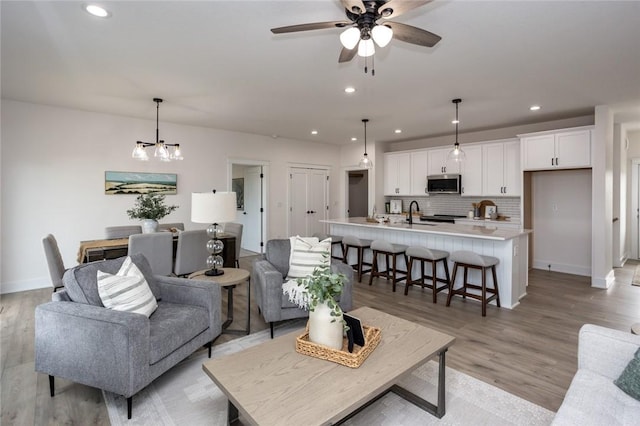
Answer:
(268, 288)
(92, 345)
(346, 298)
(194, 292)
(605, 351)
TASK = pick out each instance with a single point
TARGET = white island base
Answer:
(508, 245)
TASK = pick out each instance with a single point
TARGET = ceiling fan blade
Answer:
(413, 35)
(308, 27)
(354, 6)
(346, 55)
(394, 8)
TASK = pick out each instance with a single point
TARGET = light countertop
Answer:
(483, 231)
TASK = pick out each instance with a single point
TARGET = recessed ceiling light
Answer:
(354, 139)
(96, 10)
(398, 131)
(314, 132)
(455, 121)
(534, 107)
(350, 89)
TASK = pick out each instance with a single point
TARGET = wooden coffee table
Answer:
(272, 384)
(229, 280)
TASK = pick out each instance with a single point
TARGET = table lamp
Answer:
(214, 208)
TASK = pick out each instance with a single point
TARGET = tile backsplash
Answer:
(456, 204)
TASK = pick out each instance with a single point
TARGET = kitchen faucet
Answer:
(410, 214)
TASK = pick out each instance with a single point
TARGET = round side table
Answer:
(229, 280)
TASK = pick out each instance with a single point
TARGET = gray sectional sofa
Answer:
(593, 398)
(78, 339)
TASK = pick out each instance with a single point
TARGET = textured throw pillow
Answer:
(629, 380)
(127, 290)
(306, 255)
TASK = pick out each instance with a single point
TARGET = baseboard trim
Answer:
(604, 282)
(560, 267)
(24, 285)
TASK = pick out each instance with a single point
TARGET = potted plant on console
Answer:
(150, 208)
(319, 294)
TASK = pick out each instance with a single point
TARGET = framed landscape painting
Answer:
(140, 183)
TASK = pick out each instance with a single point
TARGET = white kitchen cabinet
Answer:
(438, 163)
(397, 173)
(562, 149)
(471, 171)
(419, 163)
(501, 169)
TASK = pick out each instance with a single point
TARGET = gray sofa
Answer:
(78, 339)
(593, 398)
(268, 276)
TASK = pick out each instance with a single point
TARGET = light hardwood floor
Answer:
(529, 351)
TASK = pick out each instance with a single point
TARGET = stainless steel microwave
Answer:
(444, 184)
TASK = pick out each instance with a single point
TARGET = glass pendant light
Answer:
(456, 154)
(365, 163)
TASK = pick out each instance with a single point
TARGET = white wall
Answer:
(561, 218)
(53, 164)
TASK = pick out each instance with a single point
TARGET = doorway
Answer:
(308, 200)
(634, 213)
(357, 193)
(248, 180)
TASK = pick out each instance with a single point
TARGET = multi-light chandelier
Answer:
(163, 151)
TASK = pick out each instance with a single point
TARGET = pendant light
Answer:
(365, 163)
(163, 151)
(456, 154)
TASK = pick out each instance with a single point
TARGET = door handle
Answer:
(244, 212)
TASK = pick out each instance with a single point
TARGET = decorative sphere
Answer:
(215, 246)
(214, 261)
(213, 231)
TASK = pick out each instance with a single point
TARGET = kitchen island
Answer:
(508, 245)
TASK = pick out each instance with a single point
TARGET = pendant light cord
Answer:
(365, 120)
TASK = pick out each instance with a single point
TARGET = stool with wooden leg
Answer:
(336, 240)
(388, 250)
(469, 259)
(424, 255)
(349, 242)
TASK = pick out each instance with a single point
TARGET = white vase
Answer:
(149, 225)
(325, 329)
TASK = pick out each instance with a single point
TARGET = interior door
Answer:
(308, 200)
(252, 220)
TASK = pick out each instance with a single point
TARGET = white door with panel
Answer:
(501, 167)
(471, 171)
(397, 174)
(308, 200)
(438, 162)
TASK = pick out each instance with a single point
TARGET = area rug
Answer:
(186, 396)
(636, 276)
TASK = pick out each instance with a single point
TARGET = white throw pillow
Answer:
(306, 255)
(127, 290)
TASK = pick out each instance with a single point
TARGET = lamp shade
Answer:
(366, 48)
(382, 35)
(213, 207)
(350, 37)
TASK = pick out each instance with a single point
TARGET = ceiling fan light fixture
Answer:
(366, 48)
(382, 35)
(350, 37)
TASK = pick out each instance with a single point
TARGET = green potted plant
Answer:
(150, 208)
(319, 294)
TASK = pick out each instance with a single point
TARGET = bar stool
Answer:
(349, 241)
(335, 240)
(388, 249)
(423, 255)
(469, 259)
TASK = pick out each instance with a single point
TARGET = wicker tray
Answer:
(350, 359)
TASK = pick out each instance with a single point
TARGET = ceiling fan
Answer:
(363, 27)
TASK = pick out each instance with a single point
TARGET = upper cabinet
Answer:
(397, 174)
(562, 149)
(438, 164)
(501, 169)
(419, 164)
(471, 171)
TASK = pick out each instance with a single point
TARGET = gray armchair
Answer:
(78, 339)
(268, 276)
